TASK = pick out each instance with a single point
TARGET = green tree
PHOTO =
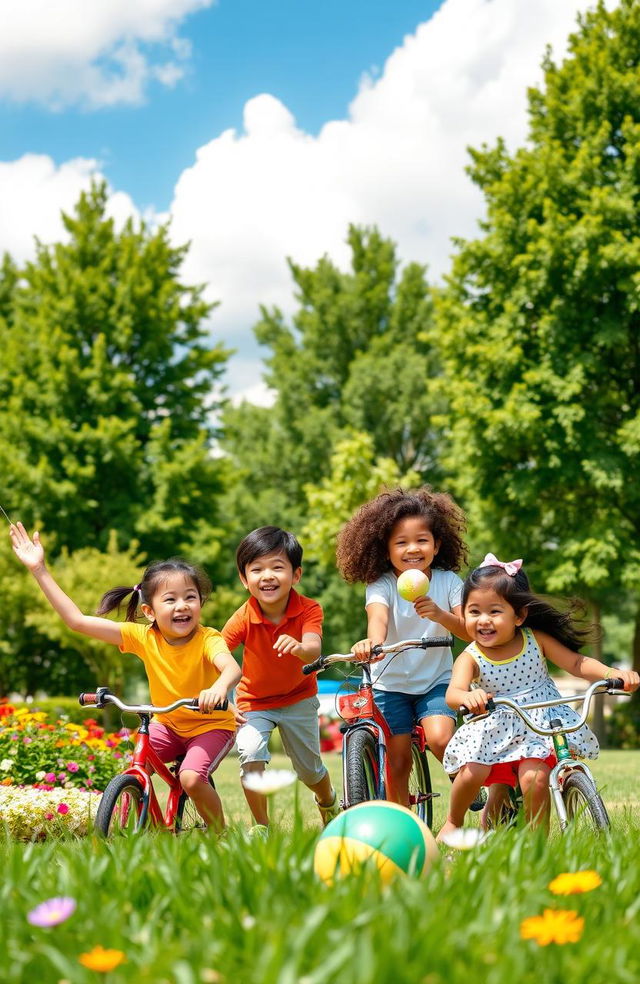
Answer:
(355, 357)
(107, 387)
(540, 326)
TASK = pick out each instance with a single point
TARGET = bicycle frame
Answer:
(145, 763)
(557, 732)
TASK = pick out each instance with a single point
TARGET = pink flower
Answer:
(63, 808)
(110, 744)
(62, 776)
(90, 758)
(52, 912)
(73, 766)
(117, 755)
(50, 777)
(26, 740)
(48, 816)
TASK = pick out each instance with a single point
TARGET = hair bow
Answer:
(511, 567)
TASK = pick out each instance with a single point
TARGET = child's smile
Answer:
(269, 579)
(175, 608)
(489, 619)
(412, 545)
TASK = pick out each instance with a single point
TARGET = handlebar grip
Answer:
(438, 642)
(87, 700)
(318, 664)
(615, 683)
(221, 707)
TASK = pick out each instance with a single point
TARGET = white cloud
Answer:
(90, 52)
(33, 192)
(252, 198)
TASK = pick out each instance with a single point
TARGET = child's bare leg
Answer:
(438, 730)
(463, 792)
(533, 775)
(205, 797)
(324, 791)
(256, 802)
(498, 800)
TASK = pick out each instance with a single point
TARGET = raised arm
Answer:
(31, 553)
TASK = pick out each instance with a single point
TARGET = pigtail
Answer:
(113, 599)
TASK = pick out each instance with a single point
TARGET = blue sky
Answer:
(310, 55)
(261, 129)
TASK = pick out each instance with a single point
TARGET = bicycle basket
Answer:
(355, 705)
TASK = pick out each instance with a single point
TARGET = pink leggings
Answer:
(202, 753)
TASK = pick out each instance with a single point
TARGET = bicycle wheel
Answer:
(187, 817)
(361, 767)
(582, 802)
(420, 793)
(121, 809)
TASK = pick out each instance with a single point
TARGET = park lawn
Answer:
(617, 774)
(242, 910)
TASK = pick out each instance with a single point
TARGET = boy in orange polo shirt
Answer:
(281, 631)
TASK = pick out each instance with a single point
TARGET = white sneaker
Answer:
(328, 813)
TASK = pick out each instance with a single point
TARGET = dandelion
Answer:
(575, 882)
(553, 926)
(465, 839)
(52, 912)
(268, 782)
(102, 960)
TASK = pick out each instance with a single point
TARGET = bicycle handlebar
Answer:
(104, 696)
(612, 686)
(321, 663)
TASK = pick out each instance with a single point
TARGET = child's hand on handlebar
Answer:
(630, 677)
(209, 699)
(362, 652)
(476, 701)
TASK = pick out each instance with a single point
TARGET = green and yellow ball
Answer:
(378, 833)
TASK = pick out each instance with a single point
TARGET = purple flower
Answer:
(52, 912)
(73, 766)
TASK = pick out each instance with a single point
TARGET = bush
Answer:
(55, 708)
(623, 725)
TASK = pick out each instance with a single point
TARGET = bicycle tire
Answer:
(361, 767)
(420, 791)
(583, 803)
(121, 809)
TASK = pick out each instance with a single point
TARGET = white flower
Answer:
(268, 782)
(40, 775)
(6, 764)
(465, 839)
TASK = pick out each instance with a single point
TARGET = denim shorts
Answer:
(404, 711)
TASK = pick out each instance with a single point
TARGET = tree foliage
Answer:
(540, 324)
(106, 387)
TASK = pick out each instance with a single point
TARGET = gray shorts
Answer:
(298, 726)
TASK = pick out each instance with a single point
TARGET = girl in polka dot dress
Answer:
(514, 633)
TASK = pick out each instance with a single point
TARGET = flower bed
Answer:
(33, 813)
(50, 773)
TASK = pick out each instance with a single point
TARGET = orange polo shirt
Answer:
(270, 679)
(179, 671)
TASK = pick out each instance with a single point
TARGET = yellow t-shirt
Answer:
(179, 671)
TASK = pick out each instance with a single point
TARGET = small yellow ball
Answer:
(413, 584)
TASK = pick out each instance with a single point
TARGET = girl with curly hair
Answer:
(397, 531)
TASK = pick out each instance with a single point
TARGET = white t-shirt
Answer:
(414, 671)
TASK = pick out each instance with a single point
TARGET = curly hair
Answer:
(362, 550)
(516, 591)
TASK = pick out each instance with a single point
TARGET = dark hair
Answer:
(362, 551)
(268, 540)
(541, 615)
(151, 579)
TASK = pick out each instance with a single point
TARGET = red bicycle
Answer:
(129, 801)
(365, 767)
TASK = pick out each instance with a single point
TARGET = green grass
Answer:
(192, 910)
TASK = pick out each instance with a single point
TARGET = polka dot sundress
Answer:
(503, 736)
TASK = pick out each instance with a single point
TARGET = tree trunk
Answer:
(598, 722)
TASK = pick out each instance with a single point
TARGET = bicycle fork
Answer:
(566, 763)
(367, 724)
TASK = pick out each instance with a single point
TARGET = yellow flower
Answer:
(553, 926)
(574, 882)
(102, 960)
